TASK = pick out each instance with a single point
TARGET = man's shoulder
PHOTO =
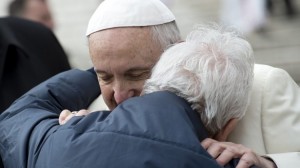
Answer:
(261, 69)
(266, 76)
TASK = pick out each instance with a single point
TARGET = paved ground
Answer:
(279, 45)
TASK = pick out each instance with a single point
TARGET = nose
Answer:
(122, 95)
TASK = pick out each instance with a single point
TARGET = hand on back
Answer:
(223, 152)
(66, 115)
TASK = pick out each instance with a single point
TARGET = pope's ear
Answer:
(226, 130)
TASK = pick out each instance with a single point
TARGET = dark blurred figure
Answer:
(290, 8)
(29, 54)
(36, 10)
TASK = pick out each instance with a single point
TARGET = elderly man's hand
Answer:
(66, 115)
(223, 152)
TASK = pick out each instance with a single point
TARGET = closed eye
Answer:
(138, 75)
(104, 78)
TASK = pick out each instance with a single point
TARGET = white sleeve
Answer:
(281, 119)
(286, 160)
(281, 113)
(271, 125)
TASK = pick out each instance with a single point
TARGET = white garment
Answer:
(272, 122)
(98, 104)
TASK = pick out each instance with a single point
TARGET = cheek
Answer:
(107, 93)
(137, 87)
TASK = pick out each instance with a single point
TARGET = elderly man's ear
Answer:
(226, 130)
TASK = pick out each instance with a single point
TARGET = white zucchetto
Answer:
(127, 13)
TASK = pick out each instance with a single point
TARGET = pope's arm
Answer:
(271, 124)
(281, 118)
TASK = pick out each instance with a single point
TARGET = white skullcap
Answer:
(126, 13)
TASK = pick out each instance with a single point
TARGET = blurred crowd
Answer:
(252, 15)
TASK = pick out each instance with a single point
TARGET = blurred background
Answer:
(271, 26)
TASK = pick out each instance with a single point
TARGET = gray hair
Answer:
(212, 70)
(165, 34)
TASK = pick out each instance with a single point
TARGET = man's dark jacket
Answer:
(155, 130)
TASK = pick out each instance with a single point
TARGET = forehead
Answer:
(131, 38)
(123, 48)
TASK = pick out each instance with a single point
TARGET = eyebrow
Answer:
(98, 71)
(132, 70)
(138, 70)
